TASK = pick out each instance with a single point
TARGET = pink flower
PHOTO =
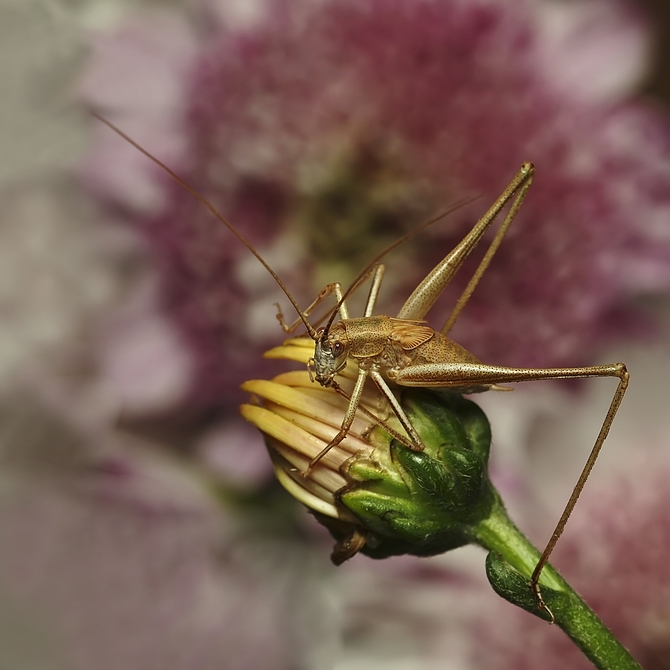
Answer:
(112, 553)
(324, 131)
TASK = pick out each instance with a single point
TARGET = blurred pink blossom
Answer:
(114, 553)
(142, 355)
(141, 68)
(324, 129)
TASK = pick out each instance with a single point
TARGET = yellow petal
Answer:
(329, 409)
(296, 445)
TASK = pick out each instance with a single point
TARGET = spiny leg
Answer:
(414, 441)
(350, 415)
(457, 375)
(417, 443)
(323, 294)
(377, 277)
(579, 486)
(428, 291)
(488, 256)
(376, 419)
(377, 273)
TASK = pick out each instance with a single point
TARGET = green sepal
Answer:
(424, 502)
(475, 423)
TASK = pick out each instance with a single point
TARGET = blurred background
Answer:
(140, 524)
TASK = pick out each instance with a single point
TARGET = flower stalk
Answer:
(380, 498)
(509, 564)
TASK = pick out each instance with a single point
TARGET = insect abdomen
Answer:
(441, 349)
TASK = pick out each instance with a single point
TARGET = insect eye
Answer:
(338, 348)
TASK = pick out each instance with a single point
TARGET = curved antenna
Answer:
(217, 214)
(401, 240)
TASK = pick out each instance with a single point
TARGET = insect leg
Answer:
(456, 375)
(373, 417)
(323, 294)
(349, 416)
(576, 491)
(428, 291)
(377, 272)
(397, 408)
(488, 256)
(377, 277)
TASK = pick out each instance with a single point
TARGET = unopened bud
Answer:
(371, 491)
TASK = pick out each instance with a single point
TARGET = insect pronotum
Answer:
(405, 351)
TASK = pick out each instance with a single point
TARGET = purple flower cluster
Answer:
(325, 131)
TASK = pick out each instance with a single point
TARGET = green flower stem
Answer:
(509, 566)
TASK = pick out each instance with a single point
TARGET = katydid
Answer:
(405, 351)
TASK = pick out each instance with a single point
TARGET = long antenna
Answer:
(217, 214)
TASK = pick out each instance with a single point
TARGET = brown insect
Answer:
(405, 351)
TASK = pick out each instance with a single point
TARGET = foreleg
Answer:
(349, 416)
(377, 273)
